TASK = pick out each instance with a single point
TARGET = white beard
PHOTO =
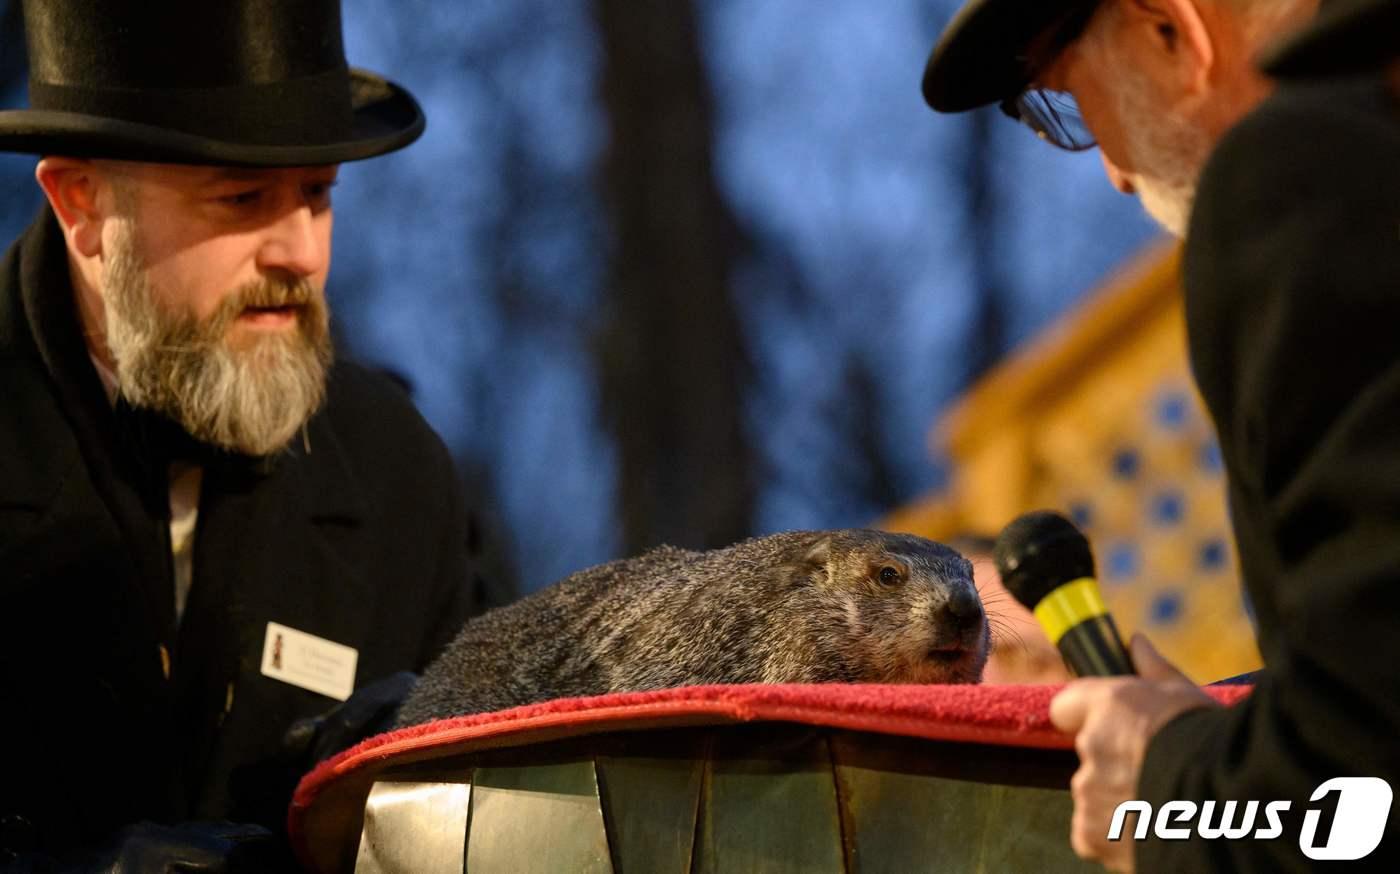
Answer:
(1170, 150)
(1169, 205)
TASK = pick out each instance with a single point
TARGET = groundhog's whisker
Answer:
(1004, 633)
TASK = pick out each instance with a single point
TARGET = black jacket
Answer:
(1292, 277)
(360, 539)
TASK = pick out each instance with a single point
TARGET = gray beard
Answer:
(251, 401)
(1170, 150)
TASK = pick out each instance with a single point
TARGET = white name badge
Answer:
(309, 662)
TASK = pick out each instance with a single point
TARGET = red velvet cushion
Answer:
(1003, 715)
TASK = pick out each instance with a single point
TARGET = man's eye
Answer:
(319, 191)
(242, 198)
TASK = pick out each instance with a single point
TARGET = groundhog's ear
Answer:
(818, 554)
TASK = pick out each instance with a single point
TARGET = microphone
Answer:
(1045, 562)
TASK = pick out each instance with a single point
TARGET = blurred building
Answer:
(1098, 418)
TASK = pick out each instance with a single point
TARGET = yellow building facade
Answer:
(1098, 418)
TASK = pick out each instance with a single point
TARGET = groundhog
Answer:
(850, 606)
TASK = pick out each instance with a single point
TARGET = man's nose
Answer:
(295, 243)
(1122, 181)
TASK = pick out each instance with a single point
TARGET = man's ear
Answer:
(71, 186)
(1177, 34)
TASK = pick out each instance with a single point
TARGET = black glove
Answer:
(368, 712)
(260, 790)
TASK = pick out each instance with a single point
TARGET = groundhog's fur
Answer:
(801, 607)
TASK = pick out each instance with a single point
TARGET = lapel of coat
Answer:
(283, 545)
(64, 468)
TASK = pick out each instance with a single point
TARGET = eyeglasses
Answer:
(1053, 115)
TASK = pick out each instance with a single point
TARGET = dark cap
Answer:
(1348, 36)
(979, 58)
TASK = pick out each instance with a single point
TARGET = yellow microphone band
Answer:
(1068, 605)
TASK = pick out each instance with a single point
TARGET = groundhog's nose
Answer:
(963, 607)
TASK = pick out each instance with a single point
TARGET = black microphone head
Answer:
(1039, 552)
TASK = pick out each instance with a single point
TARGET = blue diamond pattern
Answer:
(1172, 411)
(1168, 508)
(1166, 608)
(1123, 561)
(1209, 458)
(1212, 555)
(1126, 463)
(1082, 513)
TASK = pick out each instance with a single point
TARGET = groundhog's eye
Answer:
(889, 575)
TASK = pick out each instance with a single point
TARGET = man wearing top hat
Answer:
(1288, 195)
(208, 530)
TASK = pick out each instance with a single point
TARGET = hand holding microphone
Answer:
(1046, 564)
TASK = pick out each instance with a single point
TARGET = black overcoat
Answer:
(1292, 279)
(112, 712)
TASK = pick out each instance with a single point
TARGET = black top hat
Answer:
(229, 82)
(1348, 36)
(980, 57)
